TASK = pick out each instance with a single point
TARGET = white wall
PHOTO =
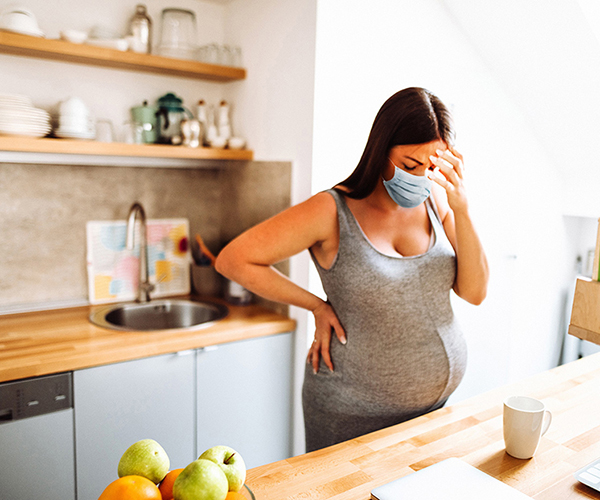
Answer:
(546, 56)
(364, 56)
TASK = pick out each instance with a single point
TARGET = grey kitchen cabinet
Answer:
(119, 404)
(244, 398)
(237, 394)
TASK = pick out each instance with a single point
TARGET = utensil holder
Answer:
(206, 281)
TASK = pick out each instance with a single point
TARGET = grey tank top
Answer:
(405, 351)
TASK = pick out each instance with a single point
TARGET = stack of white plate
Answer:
(18, 116)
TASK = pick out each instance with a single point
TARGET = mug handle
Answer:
(547, 420)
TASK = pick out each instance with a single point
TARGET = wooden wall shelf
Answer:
(31, 46)
(80, 147)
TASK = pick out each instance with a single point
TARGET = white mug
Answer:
(526, 420)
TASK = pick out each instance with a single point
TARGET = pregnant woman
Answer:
(389, 243)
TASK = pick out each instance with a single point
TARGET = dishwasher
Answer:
(37, 457)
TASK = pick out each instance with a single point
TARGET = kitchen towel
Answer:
(113, 270)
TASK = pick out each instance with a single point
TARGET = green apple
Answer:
(201, 480)
(230, 462)
(145, 458)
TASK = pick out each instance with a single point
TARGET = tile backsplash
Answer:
(44, 210)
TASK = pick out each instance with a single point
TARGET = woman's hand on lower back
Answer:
(326, 321)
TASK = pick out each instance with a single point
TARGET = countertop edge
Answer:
(45, 342)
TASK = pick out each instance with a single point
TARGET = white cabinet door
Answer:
(245, 398)
(119, 404)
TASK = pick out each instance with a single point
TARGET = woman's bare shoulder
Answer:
(318, 205)
(322, 210)
(314, 217)
(324, 200)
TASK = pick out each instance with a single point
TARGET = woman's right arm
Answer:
(249, 259)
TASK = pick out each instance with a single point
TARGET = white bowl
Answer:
(113, 43)
(74, 36)
(236, 143)
(105, 32)
(218, 142)
(20, 20)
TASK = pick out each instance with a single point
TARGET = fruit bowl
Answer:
(247, 492)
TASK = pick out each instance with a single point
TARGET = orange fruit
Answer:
(166, 485)
(131, 488)
(232, 495)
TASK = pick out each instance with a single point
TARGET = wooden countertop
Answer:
(40, 343)
(470, 430)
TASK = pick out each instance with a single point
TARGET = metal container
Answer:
(140, 30)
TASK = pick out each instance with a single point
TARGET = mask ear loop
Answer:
(395, 166)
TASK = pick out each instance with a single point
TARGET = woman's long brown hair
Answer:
(411, 116)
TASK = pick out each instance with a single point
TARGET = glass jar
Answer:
(178, 36)
(236, 294)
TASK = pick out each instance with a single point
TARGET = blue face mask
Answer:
(408, 190)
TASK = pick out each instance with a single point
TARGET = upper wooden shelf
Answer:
(80, 147)
(31, 46)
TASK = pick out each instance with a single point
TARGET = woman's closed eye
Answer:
(407, 167)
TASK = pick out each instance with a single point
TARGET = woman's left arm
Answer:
(472, 271)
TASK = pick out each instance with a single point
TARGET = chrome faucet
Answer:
(144, 286)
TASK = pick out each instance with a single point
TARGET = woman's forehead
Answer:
(420, 150)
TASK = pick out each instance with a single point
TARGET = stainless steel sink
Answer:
(159, 315)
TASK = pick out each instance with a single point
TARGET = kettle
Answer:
(169, 116)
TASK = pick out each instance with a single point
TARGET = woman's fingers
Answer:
(310, 350)
(448, 172)
(325, 354)
(321, 348)
(317, 351)
(315, 359)
(456, 153)
(339, 331)
(449, 155)
(453, 159)
(326, 323)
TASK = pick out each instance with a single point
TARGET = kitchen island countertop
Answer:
(44, 342)
(470, 430)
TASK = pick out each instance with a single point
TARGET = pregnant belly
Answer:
(411, 373)
(392, 377)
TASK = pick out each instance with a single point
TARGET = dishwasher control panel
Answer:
(35, 396)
